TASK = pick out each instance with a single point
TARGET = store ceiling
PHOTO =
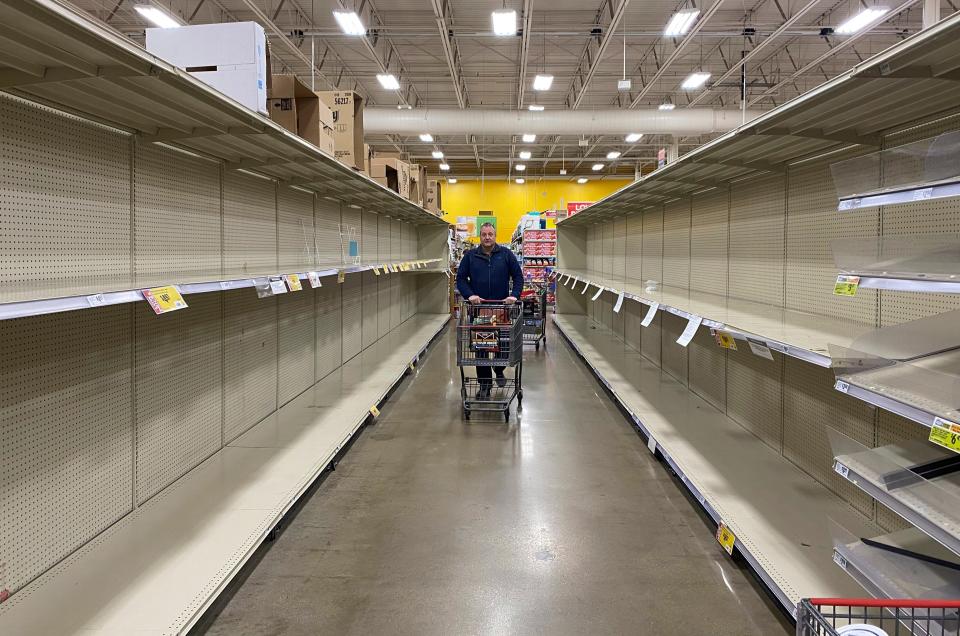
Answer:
(562, 38)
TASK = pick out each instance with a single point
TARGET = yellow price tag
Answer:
(374, 411)
(946, 434)
(164, 299)
(293, 282)
(376, 271)
(726, 538)
(846, 285)
(341, 276)
(725, 339)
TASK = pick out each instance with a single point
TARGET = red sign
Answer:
(550, 214)
(576, 206)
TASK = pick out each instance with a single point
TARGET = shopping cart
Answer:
(877, 617)
(490, 334)
(535, 317)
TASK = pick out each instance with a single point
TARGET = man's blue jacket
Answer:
(489, 276)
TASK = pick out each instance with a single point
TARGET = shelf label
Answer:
(846, 285)
(725, 339)
(586, 284)
(841, 470)
(341, 276)
(839, 560)
(376, 271)
(599, 291)
(652, 444)
(616, 307)
(314, 279)
(692, 325)
(759, 349)
(278, 287)
(164, 299)
(726, 538)
(651, 313)
(97, 300)
(374, 411)
(842, 386)
(946, 434)
(293, 282)
(385, 268)
(922, 194)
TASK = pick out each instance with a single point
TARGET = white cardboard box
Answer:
(230, 57)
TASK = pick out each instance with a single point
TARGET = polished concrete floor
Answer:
(562, 523)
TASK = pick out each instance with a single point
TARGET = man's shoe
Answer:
(501, 380)
(483, 393)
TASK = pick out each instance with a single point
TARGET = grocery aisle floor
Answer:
(563, 524)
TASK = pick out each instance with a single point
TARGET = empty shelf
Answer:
(777, 512)
(157, 569)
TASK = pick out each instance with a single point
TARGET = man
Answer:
(486, 273)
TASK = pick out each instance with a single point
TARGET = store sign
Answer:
(577, 206)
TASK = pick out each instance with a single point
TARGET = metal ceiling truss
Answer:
(606, 23)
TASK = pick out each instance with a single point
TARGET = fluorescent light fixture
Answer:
(563, 171)
(529, 138)
(861, 20)
(350, 22)
(597, 167)
(451, 180)
(542, 82)
(582, 180)
(680, 23)
(614, 154)
(404, 107)
(520, 180)
(520, 167)
(504, 22)
(695, 81)
(535, 107)
(667, 106)
(388, 81)
(633, 138)
(444, 166)
(157, 16)
(438, 154)
(525, 154)
(426, 138)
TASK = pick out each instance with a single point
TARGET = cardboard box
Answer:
(418, 184)
(295, 107)
(432, 199)
(366, 158)
(395, 171)
(230, 57)
(403, 178)
(347, 109)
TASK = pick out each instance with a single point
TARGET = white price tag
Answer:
(314, 279)
(842, 386)
(652, 444)
(97, 300)
(616, 308)
(759, 349)
(586, 284)
(692, 325)
(839, 560)
(564, 281)
(841, 470)
(923, 193)
(599, 291)
(651, 313)
(278, 287)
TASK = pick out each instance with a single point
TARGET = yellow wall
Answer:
(509, 201)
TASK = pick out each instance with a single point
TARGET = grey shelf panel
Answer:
(96, 73)
(797, 334)
(159, 568)
(777, 511)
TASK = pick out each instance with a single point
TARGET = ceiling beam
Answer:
(441, 9)
(524, 50)
(593, 53)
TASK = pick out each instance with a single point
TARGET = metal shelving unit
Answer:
(776, 511)
(159, 568)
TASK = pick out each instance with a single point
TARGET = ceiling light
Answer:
(525, 154)
(404, 107)
(695, 81)
(426, 138)
(388, 81)
(667, 105)
(614, 154)
(542, 82)
(444, 166)
(861, 20)
(680, 23)
(504, 22)
(597, 166)
(529, 138)
(582, 180)
(350, 22)
(563, 171)
(437, 154)
(520, 180)
(535, 107)
(157, 16)
(624, 85)
(633, 138)
(520, 167)
(451, 180)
